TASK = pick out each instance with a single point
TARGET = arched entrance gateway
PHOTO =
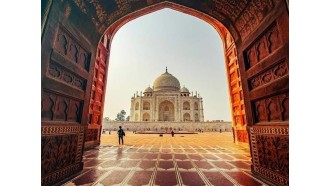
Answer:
(76, 39)
(166, 111)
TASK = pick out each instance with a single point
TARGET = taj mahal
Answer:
(167, 101)
(165, 107)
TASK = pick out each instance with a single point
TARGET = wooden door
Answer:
(264, 56)
(66, 74)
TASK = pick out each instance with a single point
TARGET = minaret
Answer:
(132, 109)
(202, 110)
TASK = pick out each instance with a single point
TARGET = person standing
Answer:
(121, 135)
(172, 133)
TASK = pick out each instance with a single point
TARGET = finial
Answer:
(166, 68)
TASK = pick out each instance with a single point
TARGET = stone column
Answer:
(201, 110)
(140, 109)
(191, 101)
(132, 110)
(180, 108)
(156, 109)
(176, 109)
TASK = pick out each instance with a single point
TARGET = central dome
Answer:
(166, 82)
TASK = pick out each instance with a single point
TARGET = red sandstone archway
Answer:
(75, 62)
(232, 68)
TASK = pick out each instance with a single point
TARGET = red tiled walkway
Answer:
(147, 159)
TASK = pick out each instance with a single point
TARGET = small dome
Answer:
(166, 81)
(147, 90)
(184, 90)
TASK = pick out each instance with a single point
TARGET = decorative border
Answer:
(46, 130)
(254, 131)
(63, 75)
(269, 75)
(80, 147)
(48, 180)
(60, 130)
(270, 174)
(269, 130)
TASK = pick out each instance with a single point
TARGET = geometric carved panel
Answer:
(97, 93)
(68, 46)
(91, 134)
(61, 150)
(276, 72)
(57, 152)
(265, 45)
(275, 108)
(253, 14)
(60, 73)
(60, 108)
(242, 136)
(235, 86)
(270, 152)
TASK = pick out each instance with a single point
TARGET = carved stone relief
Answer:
(68, 46)
(60, 108)
(269, 75)
(60, 154)
(270, 152)
(242, 136)
(275, 108)
(91, 135)
(57, 152)
(60, 73)
(263, 47)
(251, 17)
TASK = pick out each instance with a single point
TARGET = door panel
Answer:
(65, 74)
(265, 53)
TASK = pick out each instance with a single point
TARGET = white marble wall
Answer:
(153, 126)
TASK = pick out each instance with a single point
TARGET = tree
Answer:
(127, 118)
(121, 116)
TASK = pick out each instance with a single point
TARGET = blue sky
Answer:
(190, 48)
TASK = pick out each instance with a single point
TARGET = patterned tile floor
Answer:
(147, 159)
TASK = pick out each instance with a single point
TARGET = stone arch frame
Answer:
(146, 117)
(224, 32)
(186, 105)
(196, 117)
(146, 105)
(228, 35)
(196, 106)
(166, 111)
(251, 26)
(186, 117)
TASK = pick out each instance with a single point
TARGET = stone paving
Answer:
(207, 158)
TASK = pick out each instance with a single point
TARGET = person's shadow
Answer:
(119, 153)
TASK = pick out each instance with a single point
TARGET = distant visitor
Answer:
(121, 135)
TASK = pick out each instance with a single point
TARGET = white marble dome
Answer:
(166, 82)
(148, 89)
(184, 90)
